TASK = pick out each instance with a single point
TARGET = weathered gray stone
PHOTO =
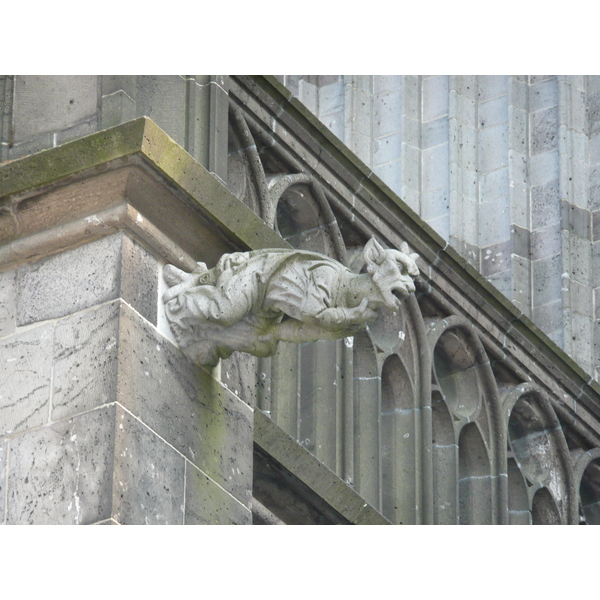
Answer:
(3, 474)
(544, 130)
(206, 503)
(139, 279)
(48, 104)
(62, 473)
(492, 148)
(68, 282)
(185, 405)
(148, 485)
(82, 277)
(85, 360)
(493, 112)
(546, 242)
(546, 279)
(545, 204)
(8, 310)
(543, 95)
(25, 373)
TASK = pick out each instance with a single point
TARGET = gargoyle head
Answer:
(392, 271)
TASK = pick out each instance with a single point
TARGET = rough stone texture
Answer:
(139, 279)
(49, 104)
(70, 281)
(85, 360)
(148, 485)
(185, 405)
(62, 473)
(8, 282)
(25, 373)
(206, 503)
(3, 475)
(111, 267)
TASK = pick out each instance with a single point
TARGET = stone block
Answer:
(543, 168)
(494, 221)
(435, 170)
(462, 109)
(185, 405)
(494, 184)
(435, 204)
(331, 98)
(441, 225)
(543, 95)
(502, 280)
(64, 283)
(387, 114)
(492, 148)
(521, 241)
(238, 375)
(594, 187)
(382, 84)
(517, 93)
(581, 259)
(25, 373)
(544, 130)
(581, 299)
(466, 148)
(85, 360)
(149, 476)
(434, 133)
(49, 104)
(117, 108)
(387, 149)
(594, 149)
(493, 112)
(491, 86)
(62, 474)
(162, 98)
(206, 503)
(139, 279)
(8, 224)
(521, 270)
(496, 258)
(546, 276)
(8, 308)
(546, 242)
(549, 317)
(519, 203)
(76, 279)
(434, 97)
(517, 130)
(545, 204)
(593, 113)
(3, 466)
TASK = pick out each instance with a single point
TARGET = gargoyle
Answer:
(253, 300)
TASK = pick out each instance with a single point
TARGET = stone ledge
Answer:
(311, 488)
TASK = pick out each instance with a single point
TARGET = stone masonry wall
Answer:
(503, 167)
(102, 419)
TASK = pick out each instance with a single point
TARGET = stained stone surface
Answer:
(139, 279)
(3, 464)
(85, 360)
(206, 503)
(25, 375)
(62, 473)
(7, 302)
(148, 477)
(185, 405)
(70, 281)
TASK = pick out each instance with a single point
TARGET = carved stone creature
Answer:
(253, 300)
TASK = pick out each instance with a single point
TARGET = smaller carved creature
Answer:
(251, 301)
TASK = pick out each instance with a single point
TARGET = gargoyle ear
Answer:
(404, 248)
(373, 253)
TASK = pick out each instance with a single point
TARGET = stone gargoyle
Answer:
(250, 301)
